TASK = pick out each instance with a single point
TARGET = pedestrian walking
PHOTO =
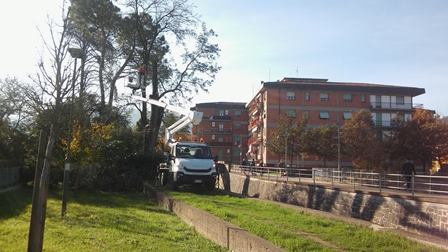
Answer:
(408, 171)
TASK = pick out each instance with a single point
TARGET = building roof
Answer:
(324, 84)
(221, 105)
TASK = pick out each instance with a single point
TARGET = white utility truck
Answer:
(187, 162)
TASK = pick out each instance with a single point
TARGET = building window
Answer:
(213, 124)
(221, 112)
(363, 98)
(307, 96)
(378, 101)
(400, 100)
(323, 96)
(324, 115)
(237, 125)
(407, 117)
(220, 139)
(237, 140)
(221, 127)
(306, 115)
(291, 96)
(347, 115)
(348, 97)
(237, 112)
(213, 137)
(291, 113)
(226, 112)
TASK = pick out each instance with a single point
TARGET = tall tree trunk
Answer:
(116, 77)
(102, 88)
(144, 122)
(101, 77)
(156, 112)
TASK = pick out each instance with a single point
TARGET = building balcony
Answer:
(390, 106)
(218, 131)
(386, 123)
(217, 118)
(254, 123)
(220, 118)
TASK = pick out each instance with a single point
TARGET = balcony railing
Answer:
(218, 131)
(390, 105)
(221, 118)
(388, 123)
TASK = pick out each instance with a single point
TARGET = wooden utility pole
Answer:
(34, 224)
(37, 223)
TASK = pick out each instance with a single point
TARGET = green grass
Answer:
(296, 230)
(98, 222)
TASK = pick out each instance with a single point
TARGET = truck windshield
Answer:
(187, 151)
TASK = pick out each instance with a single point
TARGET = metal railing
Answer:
(390, 105)
(332, 176)
(274, 173)
(385, 181)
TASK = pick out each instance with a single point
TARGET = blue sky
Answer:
(389, 42)
(400, 42)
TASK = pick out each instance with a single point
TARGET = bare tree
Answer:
(53, 81)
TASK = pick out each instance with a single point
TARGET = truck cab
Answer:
(192, 163)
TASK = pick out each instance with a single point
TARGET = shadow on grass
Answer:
(123, 222)
(13, 203)
(101, 199)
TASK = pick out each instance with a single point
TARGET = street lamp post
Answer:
(76, 54)
(286, 150)
(339, 149)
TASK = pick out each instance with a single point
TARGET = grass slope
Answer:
(98, 222)
(297, 231)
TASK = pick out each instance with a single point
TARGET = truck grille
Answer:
(198, 171)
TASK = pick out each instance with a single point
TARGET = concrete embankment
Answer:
(210, 226)
(388, 211)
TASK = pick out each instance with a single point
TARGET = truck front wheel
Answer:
(210, 185)
(171, 183)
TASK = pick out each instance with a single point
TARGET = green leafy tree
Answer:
(99, 26)
(362, 143)
(322, 142)
(424, 138)
(164, 27)
(287, 138)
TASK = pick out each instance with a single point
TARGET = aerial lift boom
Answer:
(189, 116)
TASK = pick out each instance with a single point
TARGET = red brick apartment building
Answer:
(322, 102)
(224, 128)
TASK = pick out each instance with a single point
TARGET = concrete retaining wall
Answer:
(395, 212)
(211, 227)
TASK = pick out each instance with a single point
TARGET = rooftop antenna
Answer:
(297, 71)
